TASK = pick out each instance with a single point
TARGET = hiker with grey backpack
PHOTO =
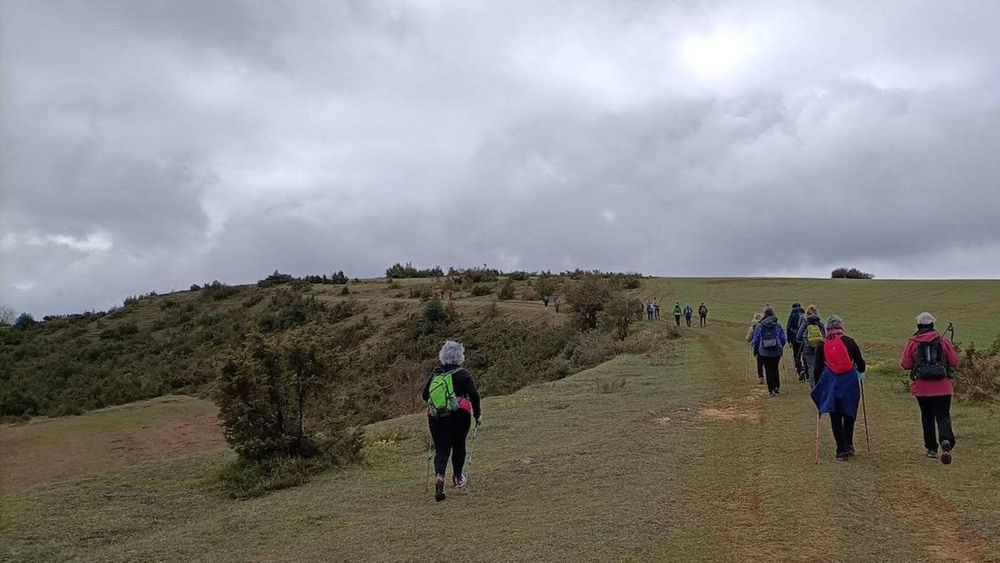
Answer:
(768, 344)
(452, 404)
(931, 360)
(811, 333)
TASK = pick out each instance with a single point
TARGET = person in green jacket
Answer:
(677, 313)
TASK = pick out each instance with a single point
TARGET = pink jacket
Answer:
(928, 387)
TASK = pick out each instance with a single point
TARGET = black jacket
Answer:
(852, 350)
(464, 385)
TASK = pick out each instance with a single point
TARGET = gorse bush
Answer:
(978, 376)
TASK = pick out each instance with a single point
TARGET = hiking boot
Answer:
(777, 391)
(843, 456)
(439, 490)
(460, 482)
(850, 451)
(760, 380)
(932, 454)
(946, 452)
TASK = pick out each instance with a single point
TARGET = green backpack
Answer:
(814, 336)
(441, 399)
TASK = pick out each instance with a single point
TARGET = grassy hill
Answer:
(671, 454)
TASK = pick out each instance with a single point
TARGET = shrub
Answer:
(978, 376)
(587, 299)
(24, 321)
(218, 290)
(397, 270)
(277, 278)
(618, 315)
(609, 384)
(194, 287)
(268, 402)
(546, 286)
(519, 276)
(507, 290)
(481, 290)
(853, 273)
(7, 315)
(345, 291)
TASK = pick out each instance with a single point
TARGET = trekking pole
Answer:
(818, 416)
(864, 412)
(427, 481)
(472, 447)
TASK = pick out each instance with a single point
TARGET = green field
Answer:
(687, 460)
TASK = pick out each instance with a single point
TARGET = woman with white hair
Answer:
(931, 359)
(839, 369)
(452, 402)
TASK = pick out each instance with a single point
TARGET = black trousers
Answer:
(449, 433)
(760, 366)
(936, 410)
(687, 319)
(701, 320)
(797, 352)
(843, 431)
(771, 372)
(677, 320)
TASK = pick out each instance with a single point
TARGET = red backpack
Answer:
(836, 357)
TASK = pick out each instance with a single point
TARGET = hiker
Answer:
(757, 317)
(702, 314)
(811, 333)
(557, 301)
(769, 343)
(545, 299)
(677, 313)
(931, 360)
(649, 309)
(688, 311)
(656, 308)
(794, 320)
(452, 403)
(839, 370)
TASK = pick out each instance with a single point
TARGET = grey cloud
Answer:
(149, 145)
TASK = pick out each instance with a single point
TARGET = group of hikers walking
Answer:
(652, 311)
(823, 354)
(832, 362)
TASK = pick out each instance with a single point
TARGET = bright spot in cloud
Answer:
(608, 215)
(713, 55)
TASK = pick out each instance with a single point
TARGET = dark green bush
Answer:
(481, 290)
(507, 290)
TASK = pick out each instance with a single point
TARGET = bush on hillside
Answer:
(397, 270)
(978, 376)
(25, 321)
(587, 299)
(218, 290)
(519, 275)
(507, 290)
(546, 286)
(7, 315)
(853, 274)
(480, 290)
(269, 396)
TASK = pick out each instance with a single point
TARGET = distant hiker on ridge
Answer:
(750, 332)
(677, 313)
(931, 360)
(545, 299)
(702, 314)
(794, 320)
(811, 334)
(656, 308)
(688, 311)
(769, 343)
(839, 370)
(452, 402)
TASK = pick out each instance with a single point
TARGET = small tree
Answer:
(24, 321)
(618, 314)
(588, 298)
(267, 400)
(546, 285)
(507, 290)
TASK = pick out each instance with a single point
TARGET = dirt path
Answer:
(890, 504)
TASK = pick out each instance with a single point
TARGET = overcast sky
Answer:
(147, 145)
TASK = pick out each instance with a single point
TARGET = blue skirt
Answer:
(837, 393)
